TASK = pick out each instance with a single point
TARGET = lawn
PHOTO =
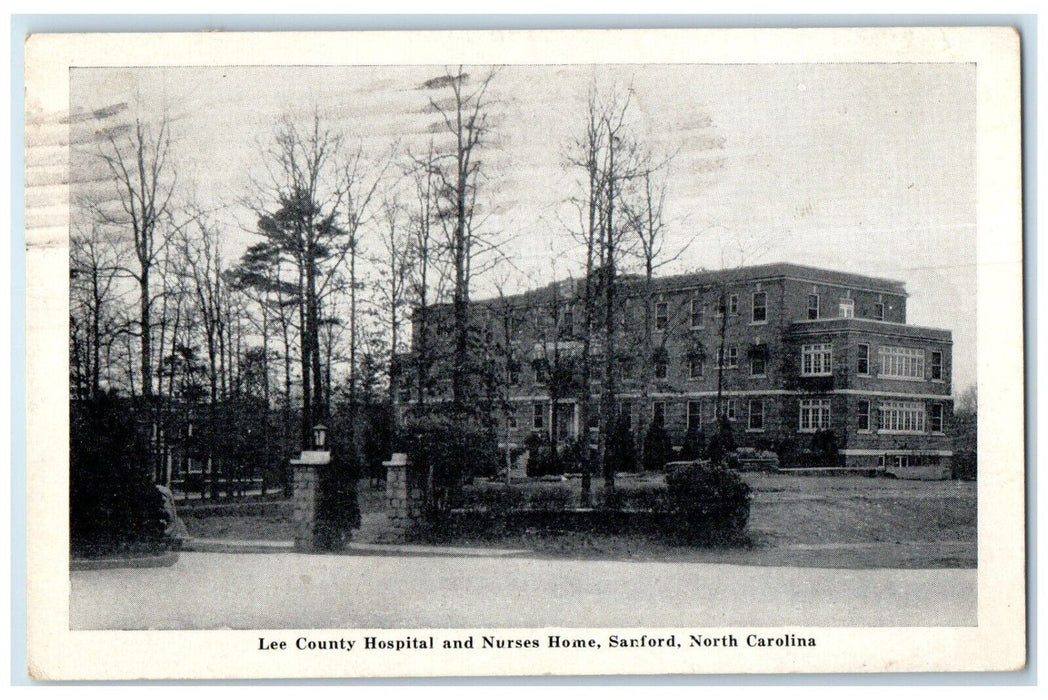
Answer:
(837, 521)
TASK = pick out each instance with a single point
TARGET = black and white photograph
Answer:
(653, 361)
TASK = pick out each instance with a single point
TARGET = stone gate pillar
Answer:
(404, 499)
(306, 498)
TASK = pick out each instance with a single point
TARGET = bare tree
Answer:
(465, 118)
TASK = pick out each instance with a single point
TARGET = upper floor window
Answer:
(661, 366)
(756, 415)
(902, 363)
(760, 307)
(862, 364)
(878, 311)
(695, 367)
(662, 316)
(694, 415)
(847, 308)
(817, 359)
(698, 313)
(936, 418)
(814, 415)
(729, 301)
(567, 323)
(728, 358)
(936, 365)
(813, 307)
(538, 416)
(901, 417)
(758, 365)
(513, 370)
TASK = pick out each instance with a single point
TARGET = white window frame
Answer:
(868, 427)
(695, 415)
(538, 416)
(813, 415)
(763, 307)
(733, 304)
(816, 308)
(846, 308)
(817, 360)
(696, 304)
(878, 311)
(728, 357)
(763, 359)
(932, 419)
(901, 418)
(932, 365)
(750, 414)
(662, 315)
(904, 364)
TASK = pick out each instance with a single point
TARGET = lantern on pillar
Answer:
(319, 436)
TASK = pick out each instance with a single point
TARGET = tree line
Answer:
(235, 355)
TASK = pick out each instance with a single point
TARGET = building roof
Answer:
(781, 271)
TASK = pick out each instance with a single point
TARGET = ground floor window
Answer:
(901, 417)
(694, 415)
(658, 412)
(756, 415)
(814, 415)
(903, 461)
(730, 409)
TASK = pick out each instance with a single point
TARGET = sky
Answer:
(863, 168)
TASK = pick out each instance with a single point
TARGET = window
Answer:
(902, 363)
(729, 300)
(729, 409)
(514, 373)
(864, 415)
(658, 412)
(878, 311)
(936, 365)
(760, 307)
(538, 416)
(661, 367)
(698, 314)
(511, 421)
(567, 323)
(813, 307)
(847, 308)
(694, 415)
(901, 417)
(759, 365)
(814, 415)
(862, 365)
(728, 358)
(695, 368)
(541, 372)
(756, 415)
(625, 412)
(662, 316)
(936, 419)
(816, 360)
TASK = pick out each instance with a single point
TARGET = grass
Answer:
(837, 521)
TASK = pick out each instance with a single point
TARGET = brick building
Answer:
(784, 351)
